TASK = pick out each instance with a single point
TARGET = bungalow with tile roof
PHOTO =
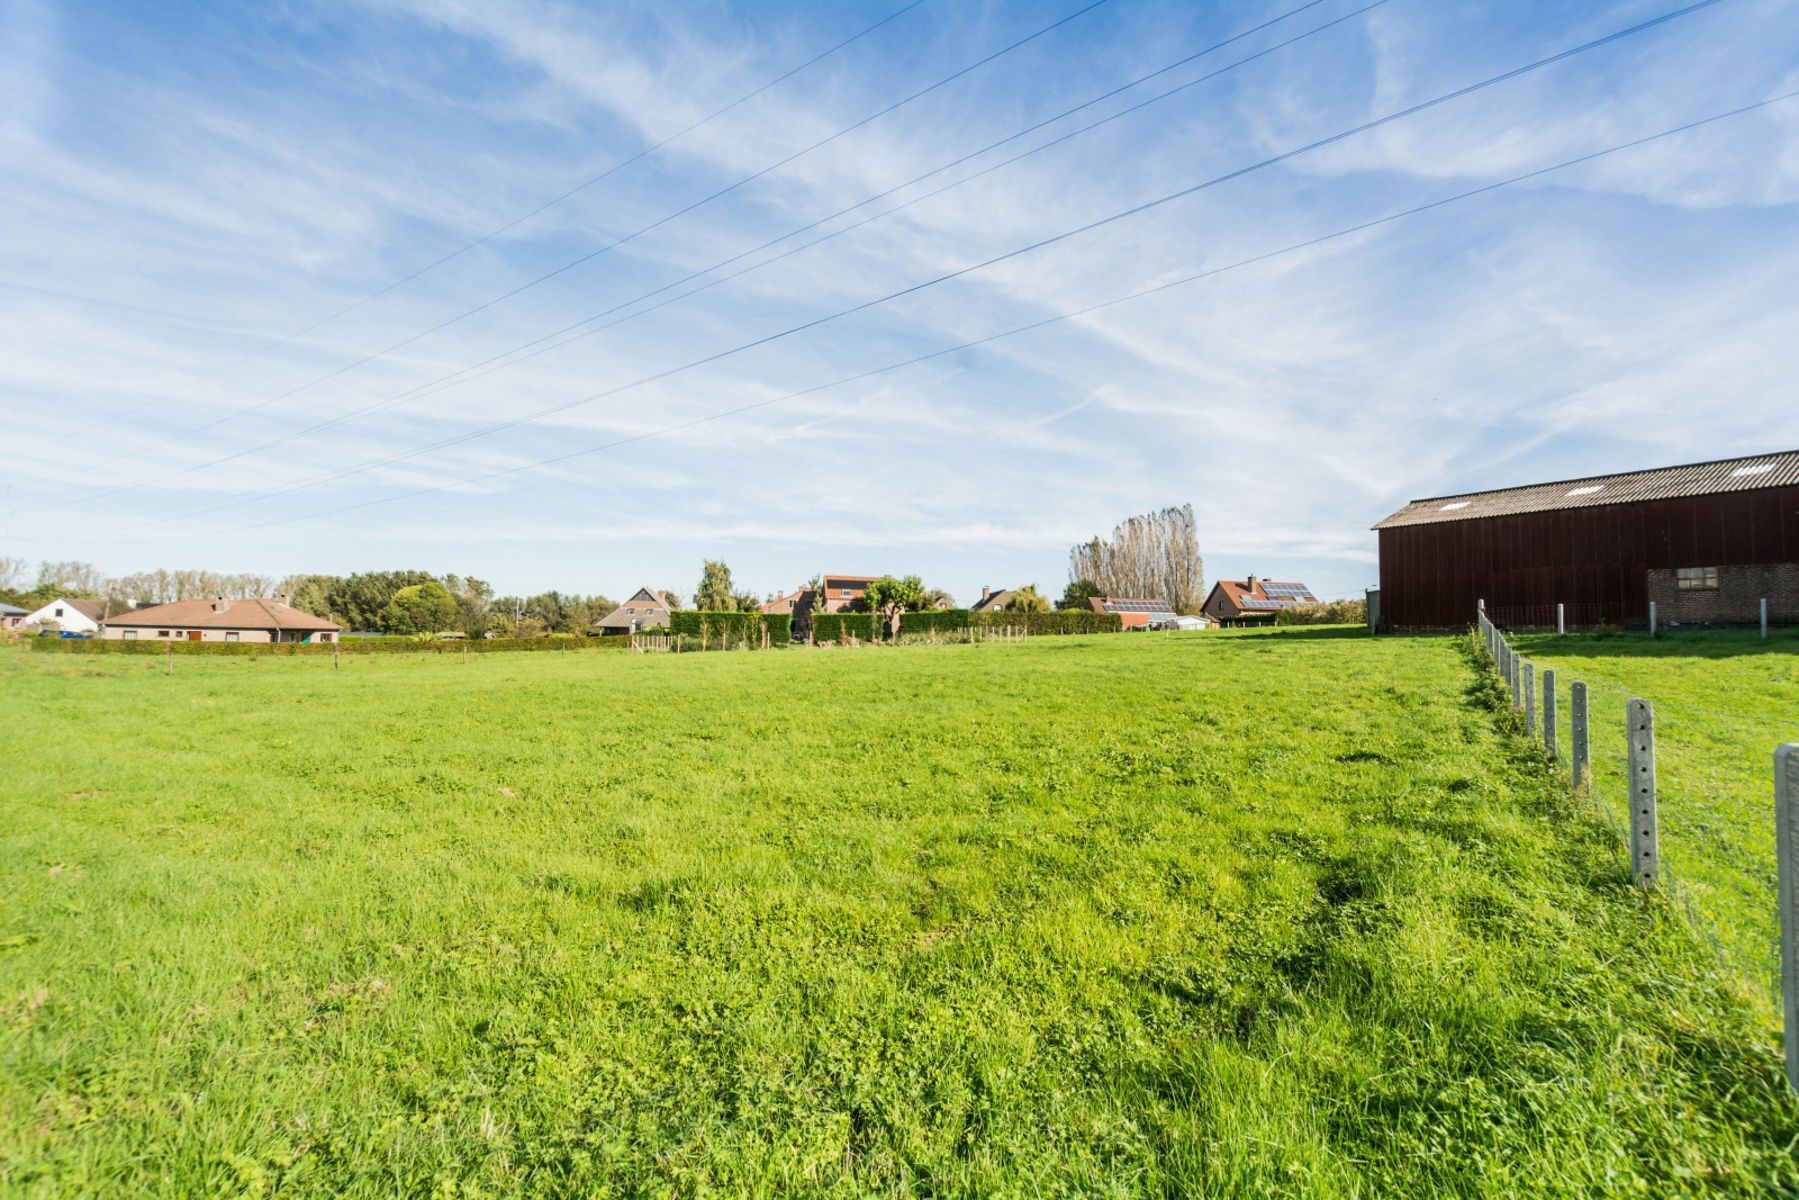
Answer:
(221, 620)
(12, 616)
(1252, 600)
(1134, 613)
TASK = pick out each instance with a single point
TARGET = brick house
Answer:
(1253, 600)
(1134, 613)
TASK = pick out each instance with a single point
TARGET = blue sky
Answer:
(180, 187)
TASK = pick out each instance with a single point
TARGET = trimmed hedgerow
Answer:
(351, 646)
(730, 629)
(838, 627)
(1073, 620)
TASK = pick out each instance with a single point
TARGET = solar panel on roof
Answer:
(1253, 602)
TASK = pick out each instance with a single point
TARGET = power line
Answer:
(590, 255)
(493, 363)
(490, 234)
(1058, 318)
(1092, 308)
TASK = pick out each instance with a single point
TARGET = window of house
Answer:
(1696, 579)
(231, 636)
(131, 635)
(162, 633)
(844, 592)
(59, 612)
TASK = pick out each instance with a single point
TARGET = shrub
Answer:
(1336, 612)
(730, 629)
(1077, 620)
(839, 627)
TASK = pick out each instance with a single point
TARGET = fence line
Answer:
(1738, 893)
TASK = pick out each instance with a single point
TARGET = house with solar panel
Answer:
(1253, 601)
(1135, 613)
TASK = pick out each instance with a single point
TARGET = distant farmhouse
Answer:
(789, 603)
(221, 620)
(1253, 601)
(69, 616)
(1706, 542)
(646, 609)
(844, 592)
(992, 601)
(12, 616)
(1134, 613)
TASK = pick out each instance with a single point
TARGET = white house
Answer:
(70, 616)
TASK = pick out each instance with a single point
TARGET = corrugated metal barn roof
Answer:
(1666, 483)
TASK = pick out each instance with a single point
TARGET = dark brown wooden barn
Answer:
(1706, 541)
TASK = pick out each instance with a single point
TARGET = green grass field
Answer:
(1723, 700)
(1208, 915)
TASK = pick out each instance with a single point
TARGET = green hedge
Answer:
(837, 627)
(351, 647)
(1072, 620)
(727, 629)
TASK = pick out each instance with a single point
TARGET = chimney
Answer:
(1251, 585)
(984, 593)
(220, 605)
(283, 601)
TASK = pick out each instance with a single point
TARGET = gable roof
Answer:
(91, 609)
(993, 601)
(237, 614)
(12, 610)
(1750, 473)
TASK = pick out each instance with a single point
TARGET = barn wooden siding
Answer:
(1593, 560)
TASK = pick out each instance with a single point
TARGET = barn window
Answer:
(231, 636)
(131, 635)
(162, 633)
(1697, 579)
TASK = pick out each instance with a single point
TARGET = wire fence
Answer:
(1688, 787)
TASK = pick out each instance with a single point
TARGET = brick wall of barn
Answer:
(1735, 601)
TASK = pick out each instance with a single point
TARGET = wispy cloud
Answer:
(182, 192)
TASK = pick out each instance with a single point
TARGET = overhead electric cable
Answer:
(974, 343)
(492, 233)
(1146, 206)
(597, 252)
(526, 351)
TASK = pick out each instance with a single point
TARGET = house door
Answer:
(193, 635)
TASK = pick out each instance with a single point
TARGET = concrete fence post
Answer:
(1549, 738)
(1644, 856)
(1530, 699)
(1786, 829)
(1517, 679)
(1764, 618)
(1561, 622)
(1577, 732)
(1652, 618)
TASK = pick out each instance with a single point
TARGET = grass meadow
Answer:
(1287, 913)
(1723, 700)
